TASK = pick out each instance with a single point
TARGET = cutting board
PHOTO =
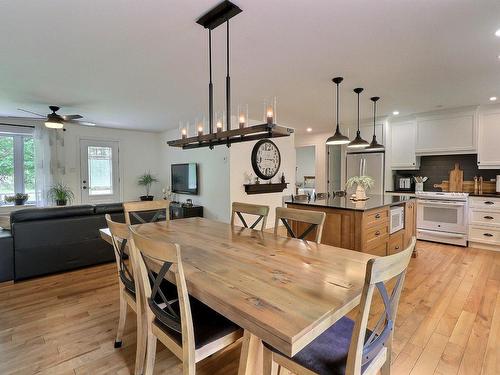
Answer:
(456, 180)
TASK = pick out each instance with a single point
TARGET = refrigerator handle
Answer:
(360, 166)
(364, 167)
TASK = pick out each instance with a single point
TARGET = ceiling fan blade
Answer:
(84, 123)
(71, 117)
(33, 113)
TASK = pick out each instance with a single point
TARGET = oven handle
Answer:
(441, 234)
(441, 203)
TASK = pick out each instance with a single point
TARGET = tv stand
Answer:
(182, 211)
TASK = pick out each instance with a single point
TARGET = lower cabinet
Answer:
(396, 242)
(484, 222)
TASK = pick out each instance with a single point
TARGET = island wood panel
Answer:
(410, 221)
(284, 291)
(338, 228)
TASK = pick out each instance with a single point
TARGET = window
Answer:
(17, 164)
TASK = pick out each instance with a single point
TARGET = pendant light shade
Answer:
(374, 145)
(338, 138)
(358, 142)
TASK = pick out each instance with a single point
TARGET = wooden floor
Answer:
(448, 321)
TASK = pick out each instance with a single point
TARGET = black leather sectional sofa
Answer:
(48, 240)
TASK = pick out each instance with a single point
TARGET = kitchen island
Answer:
(362, 225)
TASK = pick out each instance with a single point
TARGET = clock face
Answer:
(266, 159)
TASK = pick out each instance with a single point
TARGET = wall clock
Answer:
(266, 159)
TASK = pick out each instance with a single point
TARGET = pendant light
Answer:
(337, 138)
(358, 142)
(374, 145)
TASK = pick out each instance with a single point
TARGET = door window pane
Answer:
(29, 168)
(6, 167)
(100, 162)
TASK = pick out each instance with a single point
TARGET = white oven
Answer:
(442, 220)
(397, 219)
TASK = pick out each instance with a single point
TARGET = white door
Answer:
(99, 172)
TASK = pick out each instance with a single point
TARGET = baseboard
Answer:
(484, 246)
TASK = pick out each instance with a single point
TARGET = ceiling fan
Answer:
(56, 121)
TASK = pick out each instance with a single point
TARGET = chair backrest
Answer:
(315, 219)
(321, 195)
(133, 211)
(239, 209)
(378, 271)
(119, 237)
(301, 197)
(154, 260)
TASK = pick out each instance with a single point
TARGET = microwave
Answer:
(397, 219)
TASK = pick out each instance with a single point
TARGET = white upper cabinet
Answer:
(447, 133)
(403, 141)
(489, 141)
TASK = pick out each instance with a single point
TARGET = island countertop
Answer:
(344, 203)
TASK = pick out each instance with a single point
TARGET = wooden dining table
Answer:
(280, 290)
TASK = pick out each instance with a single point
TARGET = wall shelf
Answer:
(265, 188)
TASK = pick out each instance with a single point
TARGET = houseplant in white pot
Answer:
(146, 180)
(363, 183)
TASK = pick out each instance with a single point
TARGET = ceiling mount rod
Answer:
(228, 81)
(210, 86)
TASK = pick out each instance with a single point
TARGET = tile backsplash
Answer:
(437, 168)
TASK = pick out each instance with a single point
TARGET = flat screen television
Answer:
(185, 178)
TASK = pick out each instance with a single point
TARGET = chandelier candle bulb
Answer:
(219, 126)
(269, 115)
(200, 130)
(184, 133)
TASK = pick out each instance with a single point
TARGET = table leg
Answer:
(251, 355)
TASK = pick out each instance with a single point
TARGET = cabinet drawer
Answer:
(378, 248)
(484, 234)
(485, 203)
(395, 243)
(481, 217)
(376, 217)
(376, 233)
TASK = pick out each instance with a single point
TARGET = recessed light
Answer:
(497, 33)
(395, 113)
(309, 130)
(493, 98)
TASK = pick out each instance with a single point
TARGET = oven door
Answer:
(443, 216)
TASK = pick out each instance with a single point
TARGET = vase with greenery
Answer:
(61, 194)
(363, 183)
(147, 180)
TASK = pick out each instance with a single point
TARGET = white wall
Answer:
(240, 165)
(213, 174)
(139, 152)
(306, 163)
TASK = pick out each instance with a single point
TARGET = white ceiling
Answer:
(143, 64)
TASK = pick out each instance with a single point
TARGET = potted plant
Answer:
(9, 198)
(20, 199)
(146, 180)
(61, 194)
(362, 183)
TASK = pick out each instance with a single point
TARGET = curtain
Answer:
(45, 161)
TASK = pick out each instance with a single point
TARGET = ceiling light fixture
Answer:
(493, 98)
(497, 33)
(309, 130)
(374, 145)
(54, 123)
(395, 113)
(337, 138)
(217, 16)
(358, 142)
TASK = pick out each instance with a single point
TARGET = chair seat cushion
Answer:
(327, 354)
(208, 325)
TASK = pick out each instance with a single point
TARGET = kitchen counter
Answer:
(486, 195)
(344, 203)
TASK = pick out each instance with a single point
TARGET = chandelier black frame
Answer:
(220, 14)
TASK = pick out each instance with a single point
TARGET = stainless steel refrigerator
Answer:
(367, 164)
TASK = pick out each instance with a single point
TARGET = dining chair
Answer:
(349, 347)
(288, 216)
(127, 289)
(189, 329)
(239, 209)
(146, 211)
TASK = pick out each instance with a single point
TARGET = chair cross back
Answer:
(315, 219)
(260, 211)
(132, 210)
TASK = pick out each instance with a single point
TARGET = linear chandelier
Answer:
(220, 14)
